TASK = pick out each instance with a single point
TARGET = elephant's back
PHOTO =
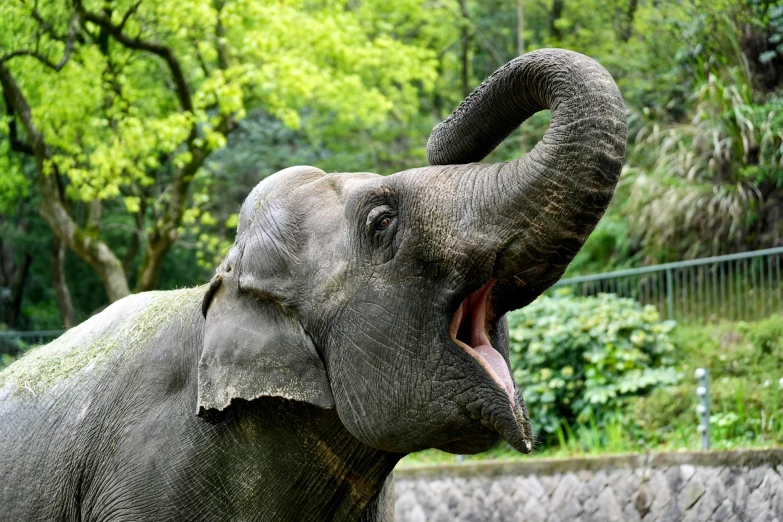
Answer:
(120, 330)
(56, 402)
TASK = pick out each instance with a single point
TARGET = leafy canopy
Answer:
(112, 116)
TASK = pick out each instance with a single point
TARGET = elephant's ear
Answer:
(255, 348)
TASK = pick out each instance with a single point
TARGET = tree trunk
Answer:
(520, 28)
(94, 251)
(60, 283)
(465, 50)
(149, 274)
(629, 17)
(17, 289)
(520, 52)
(557, 12)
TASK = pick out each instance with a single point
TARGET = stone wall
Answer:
(700, 486)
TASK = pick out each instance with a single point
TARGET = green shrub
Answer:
(581, 358)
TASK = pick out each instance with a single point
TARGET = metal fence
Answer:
(734, 287)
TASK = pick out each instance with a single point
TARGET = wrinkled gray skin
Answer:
(326, 353)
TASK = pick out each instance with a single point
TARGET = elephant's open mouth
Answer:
(469, 330)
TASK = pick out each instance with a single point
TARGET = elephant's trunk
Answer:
(543, 206)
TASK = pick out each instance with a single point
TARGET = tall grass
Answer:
(709, 185)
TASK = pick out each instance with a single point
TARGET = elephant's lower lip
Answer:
(469, 331)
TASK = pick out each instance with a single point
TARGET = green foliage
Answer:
(577, 358)
(746, 392)
(342, 77)
(703, 173)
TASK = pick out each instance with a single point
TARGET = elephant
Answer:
(356, 318)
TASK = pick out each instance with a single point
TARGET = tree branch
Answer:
(128, 14)
(69, 42)
(163, 236)
(164, 52)
(17, 145)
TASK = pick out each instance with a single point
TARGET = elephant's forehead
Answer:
(339, 184)
(305, 184)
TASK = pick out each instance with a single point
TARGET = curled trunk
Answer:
(546, 203)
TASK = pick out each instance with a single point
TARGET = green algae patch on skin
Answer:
(119, 331)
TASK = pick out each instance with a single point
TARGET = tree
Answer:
(138, 95)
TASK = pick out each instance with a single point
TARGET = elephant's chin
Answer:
(513, 426)
(476, 444)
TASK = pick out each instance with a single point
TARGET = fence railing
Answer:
(733, 287)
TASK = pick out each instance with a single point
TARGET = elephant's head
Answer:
(384, 297)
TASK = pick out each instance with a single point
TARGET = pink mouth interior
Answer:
(469, 331)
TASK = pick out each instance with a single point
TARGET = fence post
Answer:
(669, 294)
(703, 409)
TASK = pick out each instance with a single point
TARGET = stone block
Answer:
(597, 483)
(658, 489)
(687, 471)
(609, 510)
(757, 507)
(670, 513)
(630, 514)
(567, 489)
(497, 493)
(441, 514)
(405, 505)
(713, 483)
(506, 510)
(519, 493)
(430, 496)
(469, 510)
(642, 501)
(772, 484)
(625, 484)
(690, 493)
(724, 512)
(589, 506)
(549, 483)
(776, 503)
(702, 509)
(737, 494)
(566, 511)
(754, 476)
(584, 475)
(534, 511)
(452, 498)
(532, 486)
(674, 479)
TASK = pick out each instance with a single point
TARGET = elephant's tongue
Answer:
(488, 357)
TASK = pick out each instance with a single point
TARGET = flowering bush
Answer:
(578, 358)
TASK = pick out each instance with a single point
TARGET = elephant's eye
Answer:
(383, 223)
(380, 218)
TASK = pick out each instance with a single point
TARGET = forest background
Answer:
(132, 130)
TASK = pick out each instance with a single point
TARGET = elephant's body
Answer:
(100, 425)
(356, 318)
